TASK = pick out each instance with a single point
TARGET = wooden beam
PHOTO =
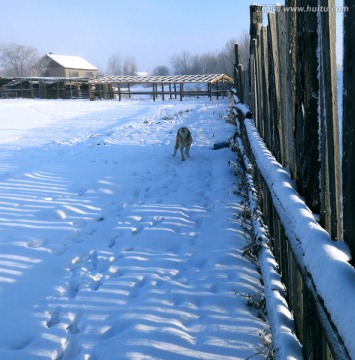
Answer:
(349, 127)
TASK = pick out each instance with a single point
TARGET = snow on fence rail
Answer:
(287, 108)
(315, 269)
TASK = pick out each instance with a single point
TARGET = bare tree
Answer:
(227, 55)
(182, 63)
(208, 63)
(41, 66)
(196, 65)
(114, 65)
(244, 44)
(161, 70)
(18, 60)
(130, 66)
(227, 58)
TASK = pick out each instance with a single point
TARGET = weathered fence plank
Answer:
(280, 27)
(328, 113)
(349, 126)
(290, 92)
(275, 115)
(265, 86)
(307, 90)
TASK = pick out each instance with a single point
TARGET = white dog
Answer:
(183, 140)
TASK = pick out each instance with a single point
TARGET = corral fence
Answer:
(163, 87)
(117, 87)
(290, 87)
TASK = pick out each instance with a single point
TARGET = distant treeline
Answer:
(20, 60)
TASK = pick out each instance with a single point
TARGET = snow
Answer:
(326, 261)
(285, 342)
(72, 62)
(110, 248)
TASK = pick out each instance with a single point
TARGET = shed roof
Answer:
(176, 79)
(72, 62)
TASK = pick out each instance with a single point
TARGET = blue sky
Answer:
(150, 30)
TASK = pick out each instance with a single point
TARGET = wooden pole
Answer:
(281, 45)
(290, 92)
(237, 85)
(275, 95)
(328, 112)
(90, 93)
(256, 20)
(258, 84)
(306, 144)
(264, 78)
(349, 126)
(32, 92)
(241, 82)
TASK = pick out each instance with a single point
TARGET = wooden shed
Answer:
(44, 87)
(111, 87)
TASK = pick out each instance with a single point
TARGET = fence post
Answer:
(256, 20)
(328, 113)
(349, 126)
(235, 72)
(240, 80)
(290, 92)
(274, 87)
(307, 91)
(264, 77)
(280, 26)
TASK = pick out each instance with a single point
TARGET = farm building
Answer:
(69, 67)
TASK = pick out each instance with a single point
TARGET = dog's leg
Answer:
(187, 151)
(182, 153)
(176, 147)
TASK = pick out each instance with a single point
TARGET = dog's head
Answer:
(184, 131)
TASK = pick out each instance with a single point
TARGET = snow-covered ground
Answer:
(110, 248)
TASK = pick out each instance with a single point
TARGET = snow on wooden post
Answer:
(328, 113)
(349, 126)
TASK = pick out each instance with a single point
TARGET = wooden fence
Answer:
(290, 87)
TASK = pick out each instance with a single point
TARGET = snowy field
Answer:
(110, 248)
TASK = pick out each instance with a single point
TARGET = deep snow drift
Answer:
(110, 248)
